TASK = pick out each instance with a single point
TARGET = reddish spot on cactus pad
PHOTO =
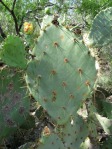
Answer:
(54, 93)
(53, 72)
(55, 22)
(55, 44)
(80, 70)
(64, 84)
(66, 60)
(87, 83)
(71, 96)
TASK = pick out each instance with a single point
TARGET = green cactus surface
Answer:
(14, 104)
(91, 119)
(107, 109)
(101, 32)
(13, 52)
(73, 133)
(62, 74)
(51, 141)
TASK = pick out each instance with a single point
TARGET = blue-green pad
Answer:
(101, 31)
(62, 74)
(13, 52)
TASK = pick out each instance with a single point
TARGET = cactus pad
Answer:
(13, 52)
(62, 73)
(51, 142)
(101, 32)
(73, 133)
(14, 105)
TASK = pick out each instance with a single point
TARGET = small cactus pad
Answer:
(62, 73)
(13, 52)
(101, 32)
(14, 105)
(73, 133)
(51, 142)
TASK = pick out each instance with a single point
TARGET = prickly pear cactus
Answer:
(14, 105)
(73, 133)
(62, 74)
(48, 142)
(13, 52)
(101, 32)
(51, 141)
